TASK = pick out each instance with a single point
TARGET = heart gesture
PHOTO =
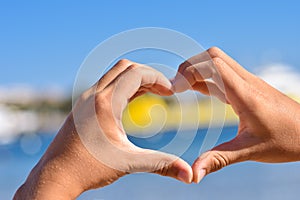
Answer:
(91, 149)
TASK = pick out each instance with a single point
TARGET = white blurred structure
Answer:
(12, 123)
(282, 77)
(24, 94)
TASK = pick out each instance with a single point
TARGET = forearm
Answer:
(55, 175)
(47, 183)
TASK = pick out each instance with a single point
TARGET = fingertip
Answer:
(180, 84)
(185, 176)
(199, 171)
(171, 166)
(199, 175)
(181, 170)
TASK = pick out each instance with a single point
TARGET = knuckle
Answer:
(214, 51)
(191, 72)
(141, 69)
(102, 100)
(218, 161)
(217, 61)
(191, 69)
(124, 62)
(183, 66)
(218, 64)
(133, 66)
(135, 70)
(163, 169)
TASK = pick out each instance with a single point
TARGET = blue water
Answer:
(245, 181)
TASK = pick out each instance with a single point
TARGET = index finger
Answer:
(117, 69)
(127, 84)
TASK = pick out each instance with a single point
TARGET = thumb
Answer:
(163, 164)
(234, 151)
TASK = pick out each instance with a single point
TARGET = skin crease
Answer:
(268, 129)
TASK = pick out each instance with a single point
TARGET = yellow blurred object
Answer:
(145, 114)
(215, 113)
(149, 114)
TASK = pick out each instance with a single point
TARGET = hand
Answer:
(91, 150)
(269, 129)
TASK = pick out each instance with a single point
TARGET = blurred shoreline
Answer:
(28, 110)
(45, 112)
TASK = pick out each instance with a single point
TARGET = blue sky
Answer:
(44, 42)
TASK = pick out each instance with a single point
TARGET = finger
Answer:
(217, 70)
(211, 89)
(128, 84)
(115, 71)
(216, 52)
(163, 164)
(240, 149)
(115, 97)
(145, 77)
(202, 57)
(192, 74)
(155, 89)
(137, 94)
(236, 90)
(178, 169)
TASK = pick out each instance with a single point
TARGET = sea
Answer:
(247, 181)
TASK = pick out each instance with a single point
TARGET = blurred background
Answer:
(43, 43)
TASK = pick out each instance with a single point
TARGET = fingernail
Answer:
(202, 173)
(184, 176)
